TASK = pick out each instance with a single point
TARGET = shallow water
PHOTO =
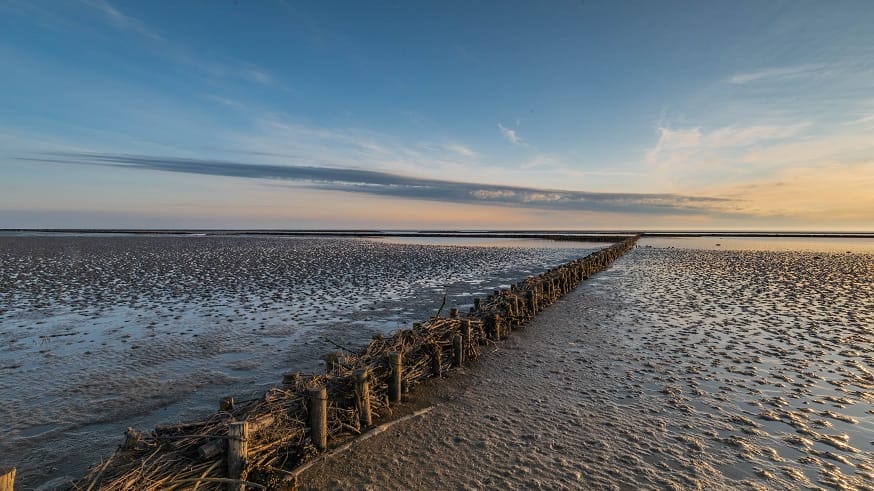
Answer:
(674, 369)
(101, 333)
(489, 242)
(796, 244)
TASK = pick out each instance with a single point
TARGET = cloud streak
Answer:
(121, 20)
(510, 135)
(386, 184)
(691, 145)
(779, 73)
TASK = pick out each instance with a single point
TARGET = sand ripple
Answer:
(675, 369)
(101, 333)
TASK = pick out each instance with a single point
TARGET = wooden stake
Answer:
(457, 351)
(131, 438)
(291, 378)
(318, 397)
(226, 404)
(211, 449)
(362, 398)
(453, 313)
(476, 303)
(436, 366)
(331, 362)
(466, 334)
(7, 478)
(499, 327)
(396, 364)
(238, 450)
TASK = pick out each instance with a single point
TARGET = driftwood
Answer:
(346, 446)
(278, 430)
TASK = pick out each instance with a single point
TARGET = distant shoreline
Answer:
(592, 235)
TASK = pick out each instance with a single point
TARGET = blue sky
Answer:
(690, 115)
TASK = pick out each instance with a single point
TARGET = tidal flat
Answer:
(677, 368)
(98, 333)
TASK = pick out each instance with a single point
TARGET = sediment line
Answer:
(253, 444)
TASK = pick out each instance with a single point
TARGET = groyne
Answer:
(257, 444)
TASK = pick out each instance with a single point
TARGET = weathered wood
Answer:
(238, 453)
(261, 422)
(332, 361)
(162, 429)
(132, 437)
(436, 363)
(532, 303)
(291, 378)
(7, 478)
(453, 313)
(477, 302)
(211, 449)
(395, 362)
(500, 327)
(362, 398)
(226, 404)
(293, 475)
(318, 409)
(457, 351)
(466, 334)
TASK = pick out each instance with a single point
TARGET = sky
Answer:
(574, 115)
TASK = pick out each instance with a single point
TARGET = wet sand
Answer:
(675, 369)
(101, 333)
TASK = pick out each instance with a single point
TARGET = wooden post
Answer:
(226, 404)
(238, 450)
(362, 398)
(453, 313)
(466, 334)
(476, 303)
(319, 417)
(132, 437)
(532, 302)
(499, 327)
(436, 366)
(7, 478)
(396, 364)
(291, 378)
(457, 351)
(331, 362)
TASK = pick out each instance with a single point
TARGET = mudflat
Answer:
(98, 333)
(675, 369)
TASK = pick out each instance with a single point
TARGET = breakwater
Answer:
(254, 443)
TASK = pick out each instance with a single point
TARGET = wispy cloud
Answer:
(121, 20)
(510, 134)
(225, 101)
(777, 73)
(687, 145)
(392, 185)
(863, 120)
(462, 150)
(211, 65)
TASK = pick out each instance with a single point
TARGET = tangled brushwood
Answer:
(359, 386)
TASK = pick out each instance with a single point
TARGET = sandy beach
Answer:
(675, 369)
